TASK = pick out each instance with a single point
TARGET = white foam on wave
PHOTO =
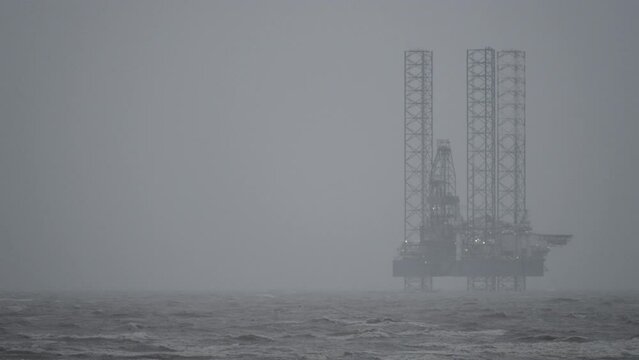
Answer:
(472, 333)
(137, 336)
(15, 308)
(625, 349)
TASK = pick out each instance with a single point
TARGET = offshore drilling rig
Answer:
(494, 247)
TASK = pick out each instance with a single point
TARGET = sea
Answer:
(319, 325)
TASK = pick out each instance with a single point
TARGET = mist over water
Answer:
(258, 145)
(224, 179)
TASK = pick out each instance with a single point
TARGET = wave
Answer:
(359, 333)
(267, 296)
(495, 315)
(373, 334)
(561, 300)
(138, 337)
(537, 338)
(12, 309)
(575, 339)
(359, 355)
(576, 316)
(428, 346)
(191, 314)
(326, 320)
(379, 320)
(252, 338)
(299, 336)
(548, 338)
(344, 333)
(27, 354)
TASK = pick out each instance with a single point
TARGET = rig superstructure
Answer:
(494, 247)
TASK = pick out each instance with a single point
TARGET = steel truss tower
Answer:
(480, 147)
(480, 240)
(418, 147)
(511, 155)
(496, 204)
(418, 140)
(511, 100)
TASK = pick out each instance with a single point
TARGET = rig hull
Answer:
(417, 268)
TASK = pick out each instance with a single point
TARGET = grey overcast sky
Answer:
(259, 144)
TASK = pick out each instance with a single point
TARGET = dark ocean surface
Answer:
(346, 325)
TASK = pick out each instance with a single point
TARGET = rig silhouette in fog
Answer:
(494, 247)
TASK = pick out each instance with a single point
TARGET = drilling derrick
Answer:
(435, 254)
(444, 211)
(494, 248)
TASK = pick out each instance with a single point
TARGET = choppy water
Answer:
(454, 325)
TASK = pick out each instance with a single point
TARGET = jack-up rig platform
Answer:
(494, 247)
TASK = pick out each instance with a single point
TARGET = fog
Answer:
(259, 144)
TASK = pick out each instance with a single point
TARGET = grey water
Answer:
(319, 325)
